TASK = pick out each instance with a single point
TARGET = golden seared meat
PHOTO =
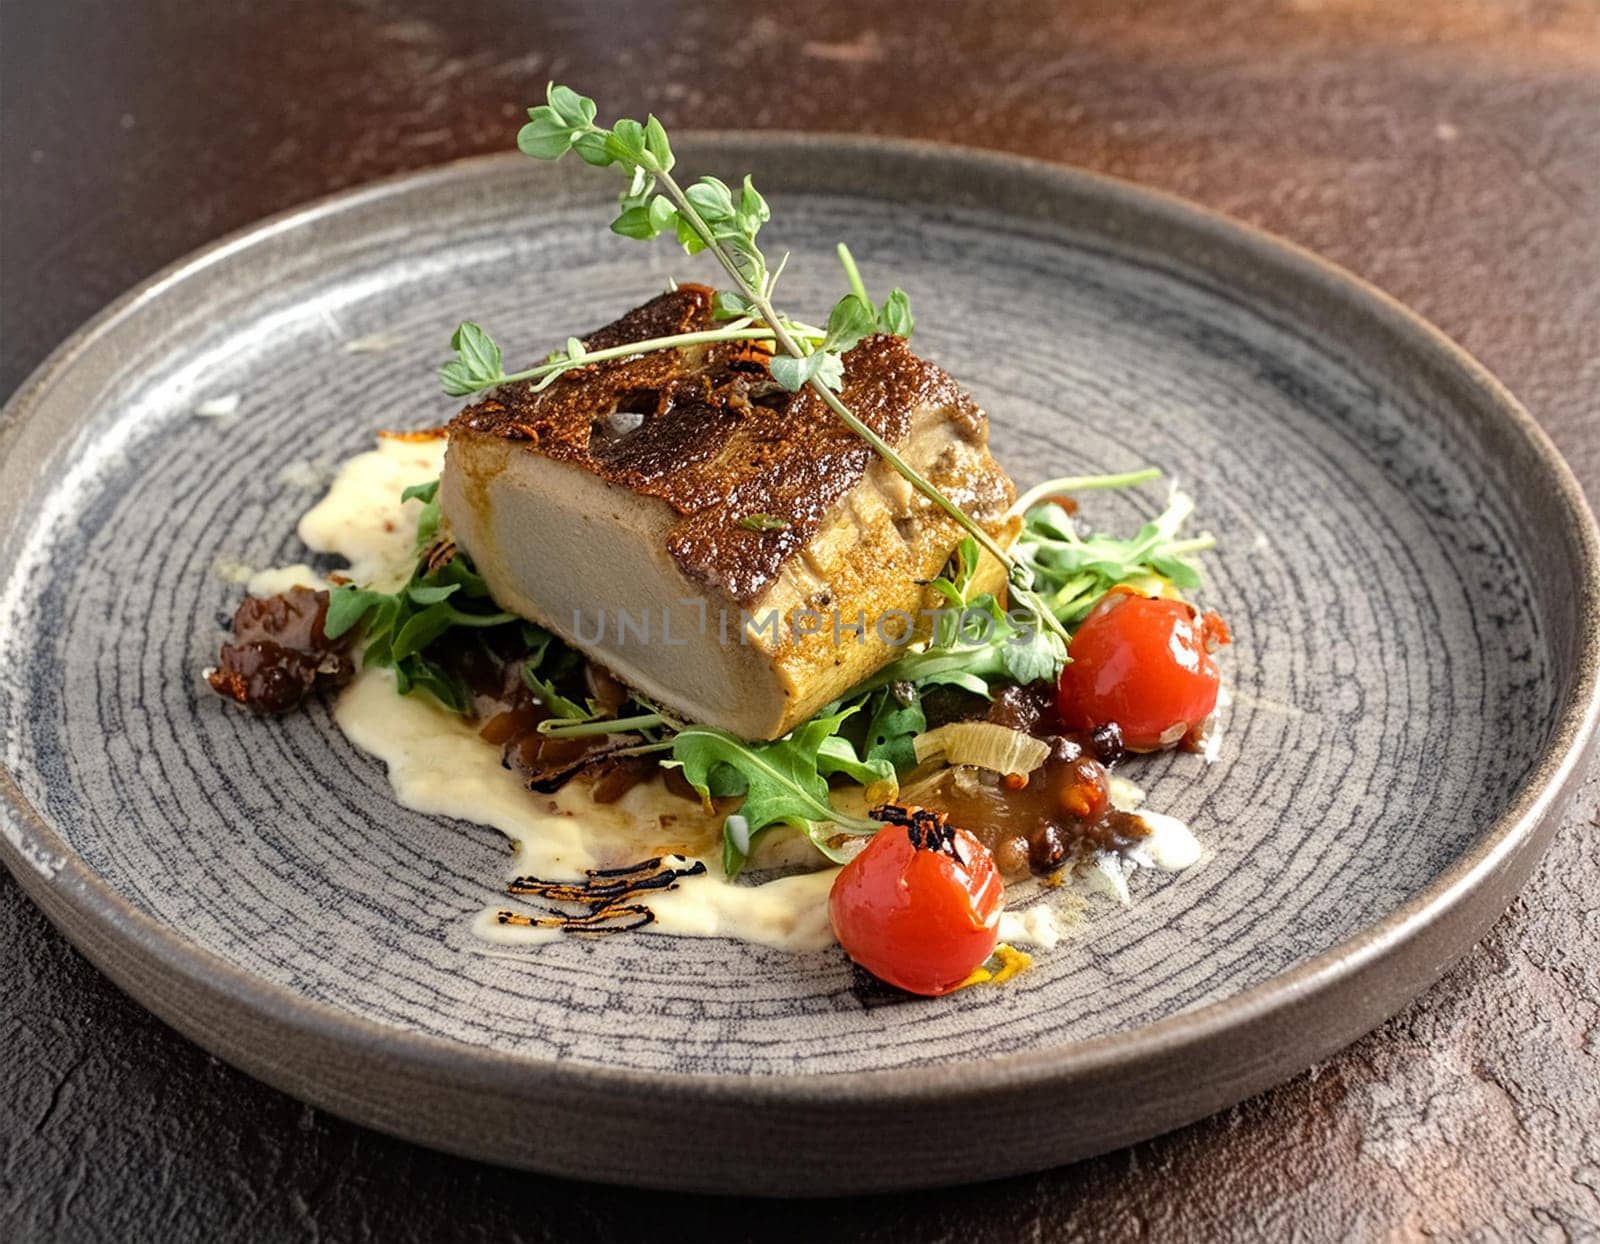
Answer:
(708, 536)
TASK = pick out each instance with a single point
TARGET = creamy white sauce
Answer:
(1039, 923)
(438, 765)
(280, 579)
(363, 520)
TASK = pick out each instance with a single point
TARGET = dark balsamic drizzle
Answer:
(605, 898)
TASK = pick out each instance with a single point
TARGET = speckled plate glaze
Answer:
(1408, 567)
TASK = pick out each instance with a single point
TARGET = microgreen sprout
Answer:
(477, 365)
(709, 215)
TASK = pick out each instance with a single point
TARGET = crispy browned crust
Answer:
(706, 430)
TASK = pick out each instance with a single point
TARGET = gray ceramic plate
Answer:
(1408, 567)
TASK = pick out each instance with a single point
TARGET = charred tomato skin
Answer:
(1143, 664)
(919, 917)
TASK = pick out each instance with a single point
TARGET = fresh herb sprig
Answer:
(706, 215)
(975, 643)
(478, 364)
(1074, 571)
(1066, 485)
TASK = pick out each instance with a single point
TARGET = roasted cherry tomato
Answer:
(1143, 662)
(920, 906)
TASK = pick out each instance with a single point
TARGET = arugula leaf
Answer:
(421, 629)
(1033, 655)
(418, 631)
(974, 644)
(780, 781)
(892, 726)
(416, 673)
(347, 605)
(838, 755)
(539, 642)
(963, 566)
(433, 594)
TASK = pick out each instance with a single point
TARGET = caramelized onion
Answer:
(984, 744)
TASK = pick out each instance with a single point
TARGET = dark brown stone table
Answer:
(1448, 150)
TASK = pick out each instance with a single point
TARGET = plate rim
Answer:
(80, 902)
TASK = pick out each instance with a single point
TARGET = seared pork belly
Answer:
(727, 548)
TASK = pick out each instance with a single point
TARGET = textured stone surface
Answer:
(1445, 152)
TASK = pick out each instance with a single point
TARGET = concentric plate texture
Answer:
(1385, 621)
